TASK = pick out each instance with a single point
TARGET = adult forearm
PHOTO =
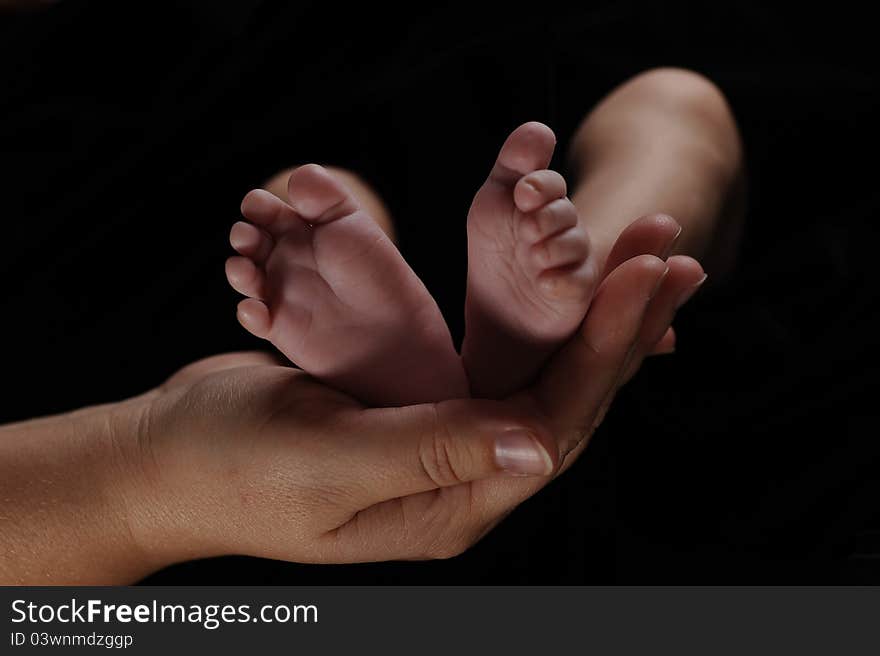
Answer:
(66, 485)
(664, 142)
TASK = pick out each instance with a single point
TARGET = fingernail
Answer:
(690, 291)
(518, 452)
(658, 283)
(672, 244)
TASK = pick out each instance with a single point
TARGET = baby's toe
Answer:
(318, 196)
(245, 277)
(268, 211)
(554, 217)
(528, 148)
(254, 317)
(561, 250)
(249, 241)
(537, 189)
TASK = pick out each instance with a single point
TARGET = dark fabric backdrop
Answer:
(130, 131)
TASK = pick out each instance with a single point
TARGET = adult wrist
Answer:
(130, 483)
(67, 489)
(155, 482)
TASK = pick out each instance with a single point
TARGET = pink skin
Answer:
(330, 290)
(530, 271)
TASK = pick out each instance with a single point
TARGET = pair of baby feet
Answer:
(330, 290)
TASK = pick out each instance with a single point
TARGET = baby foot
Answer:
(328, 288)
(530, 273)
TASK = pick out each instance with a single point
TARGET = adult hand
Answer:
(236, 454)
(274, 464)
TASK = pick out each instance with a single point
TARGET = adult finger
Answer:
(456, 441)
(684, 279)
(653, 234)
(407, 450)
(573, 386)
(666, 344)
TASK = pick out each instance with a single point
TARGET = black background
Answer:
(130, 131)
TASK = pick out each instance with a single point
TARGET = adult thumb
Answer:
(425, 447)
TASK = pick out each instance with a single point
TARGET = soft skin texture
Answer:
(328, 287)
(336, 297)
(365, 195)
(664, 140)
(236, 454)
(530, 274)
